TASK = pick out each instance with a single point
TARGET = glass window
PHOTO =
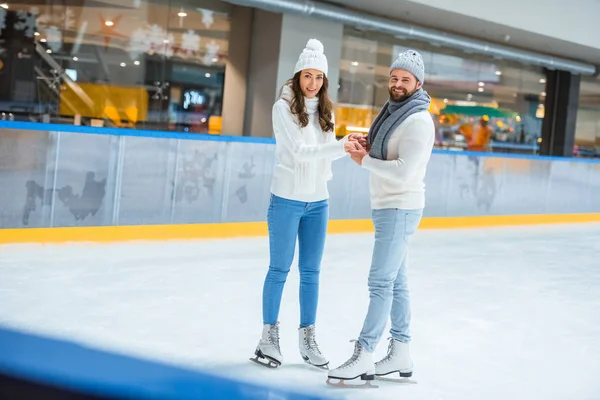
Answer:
(145, 64)
(587, 131)
(465, 89)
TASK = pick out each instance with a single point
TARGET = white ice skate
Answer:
(309, 349)
(360, 365)
(397, 360)
(268, 352)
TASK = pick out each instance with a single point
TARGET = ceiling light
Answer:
(207, 75)
(481, 84)
(43, 40)
(4, 5)
(354, 63)
(542, 80)
(543, 94)
(480, 89)
(498, 73)
(215, 59)
(75, 58)
(109, 23)
(136, 62)
(49, 51)
(36, 34)
(182, 14)
(445, 100)
(123, 64)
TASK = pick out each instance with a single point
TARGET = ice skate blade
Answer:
(342, 384)
(324, 367)
(321, 367)
(402, 377)
(268, 363)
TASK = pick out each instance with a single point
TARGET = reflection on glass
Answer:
(587, 131)
(478, 103)
(115, 63)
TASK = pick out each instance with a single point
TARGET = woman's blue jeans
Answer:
(288, 220)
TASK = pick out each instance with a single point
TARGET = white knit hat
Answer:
(312, 57)
(411, 61)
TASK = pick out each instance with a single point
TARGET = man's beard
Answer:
(399, 96)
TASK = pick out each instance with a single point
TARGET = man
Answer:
(399, 147)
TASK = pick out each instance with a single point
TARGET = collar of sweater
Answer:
(311, 104)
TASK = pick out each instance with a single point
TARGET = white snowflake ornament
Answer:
(2, 19)
(139, 43)
(26, 23)
(54, 38)
(207, 17)
(190, 42)
(212, 49)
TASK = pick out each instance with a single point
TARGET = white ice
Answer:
(497, 313)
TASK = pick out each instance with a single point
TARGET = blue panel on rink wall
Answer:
(25, 195)
(92, 176)
(80, 183)
(249, 170)
(196, 189)
(32, 366)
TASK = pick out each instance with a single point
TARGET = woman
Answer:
(305, 147)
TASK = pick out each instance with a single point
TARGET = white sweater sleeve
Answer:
(414, 149)
(288, 134)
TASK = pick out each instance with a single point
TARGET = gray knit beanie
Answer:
(411, 61)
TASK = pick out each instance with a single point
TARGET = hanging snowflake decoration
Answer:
(2, 19)
(26, 23)
(207, 17)
(190, 42)
(139, 43)
(54, 38)
(155, 36)
(212, 49)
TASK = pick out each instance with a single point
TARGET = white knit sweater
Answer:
(399, 181)
(304, 155)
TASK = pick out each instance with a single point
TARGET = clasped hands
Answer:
(357, 147)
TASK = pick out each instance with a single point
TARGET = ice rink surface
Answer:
(497, 313)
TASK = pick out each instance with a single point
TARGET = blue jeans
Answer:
(288, 220)
(388, 290)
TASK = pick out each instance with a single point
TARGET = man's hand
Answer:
(358, 137)
(357, 153)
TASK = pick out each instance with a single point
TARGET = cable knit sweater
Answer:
(399, 181)
(304, 155)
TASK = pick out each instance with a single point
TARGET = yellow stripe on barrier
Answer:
(250, 229)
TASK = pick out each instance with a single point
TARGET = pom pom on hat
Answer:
(312, 57)
(315, 45)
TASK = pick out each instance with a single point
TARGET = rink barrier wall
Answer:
(107, 234)
(68, 183)
(38, 367)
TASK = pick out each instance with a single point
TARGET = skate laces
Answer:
(355, 355)
(274, 336)
(390, 352)
(309, 340)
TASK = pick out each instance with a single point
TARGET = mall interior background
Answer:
(208, 66)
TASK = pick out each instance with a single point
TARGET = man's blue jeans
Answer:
(388, 288)
(288, 220)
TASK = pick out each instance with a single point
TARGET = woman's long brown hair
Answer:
(298, 107)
